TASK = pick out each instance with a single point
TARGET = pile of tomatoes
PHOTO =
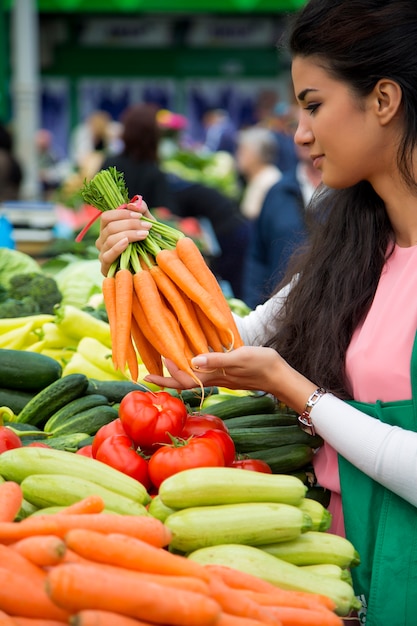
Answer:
(155, 437)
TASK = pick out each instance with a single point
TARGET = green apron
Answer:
(383, 528)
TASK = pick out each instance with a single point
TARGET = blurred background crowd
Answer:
(232, 176)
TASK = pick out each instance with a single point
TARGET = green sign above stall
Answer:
(167, 6)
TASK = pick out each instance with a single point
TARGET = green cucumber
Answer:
(69, 442)
(203, 486)
(248, 523)
(261, 420)
(88, 421)
(194, 397)
(284, 459)
(68, 411)
(28, 371)
(241, 405)
(250, 439)
(52, 398)
(114, 390)
(15, 399)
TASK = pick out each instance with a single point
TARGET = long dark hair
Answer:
(358, 42)
(141, 133)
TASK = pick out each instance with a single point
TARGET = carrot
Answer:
(290, 616)
(238, 579)
(72, 557)
(172, 265)
(42, 550)
(20, 596)
(289, 598)
(123, 293)
(13, 561)
(108, 289)
(90, 504)
(130, 553)
(6, 620)
(11, 498)
(148, 529)
(158, 324)
(236, 602)
(226, 619)
(132, 357)
(150, 356)
(76, 587)
(34, 621)
(182, 308)
(95, 617)
(191, 256)
(210, 331)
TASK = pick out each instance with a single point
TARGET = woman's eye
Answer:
(312, 107)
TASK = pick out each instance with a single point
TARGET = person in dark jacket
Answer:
(139, 158)
(277, 231)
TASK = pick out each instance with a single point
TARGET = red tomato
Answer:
(86, 451)
(37, 444)
(8, 439)
(119, 452)
(112, 428)
(184, 454)
(149, 418)
(225, 442)
(255, 465)
(198, 424)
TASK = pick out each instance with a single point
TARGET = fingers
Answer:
(118, 228)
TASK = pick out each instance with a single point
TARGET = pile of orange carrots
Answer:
(162, 299)
(85, 567)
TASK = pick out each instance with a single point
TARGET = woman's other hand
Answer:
(118, 228)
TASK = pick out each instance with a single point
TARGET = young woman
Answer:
(337, 341)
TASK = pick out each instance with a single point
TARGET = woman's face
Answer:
(342, 133)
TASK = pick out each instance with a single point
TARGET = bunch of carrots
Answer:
(85, 567)
(162, 299)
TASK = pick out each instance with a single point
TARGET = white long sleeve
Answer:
(388, 454)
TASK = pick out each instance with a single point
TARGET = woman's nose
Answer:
(303, 134)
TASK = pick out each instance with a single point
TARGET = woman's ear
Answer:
(387, 99)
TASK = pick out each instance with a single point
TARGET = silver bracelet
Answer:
(305, 419)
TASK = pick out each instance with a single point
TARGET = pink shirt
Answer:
(378, 358)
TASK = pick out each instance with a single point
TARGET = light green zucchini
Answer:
(202, 486)
(251, 523)
(255, 561)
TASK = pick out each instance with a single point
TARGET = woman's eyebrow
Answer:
(303, 93)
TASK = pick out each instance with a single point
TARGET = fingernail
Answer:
(199, 361)
(136, 214)
(142, 233)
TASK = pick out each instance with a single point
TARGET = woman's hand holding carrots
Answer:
(118, 228)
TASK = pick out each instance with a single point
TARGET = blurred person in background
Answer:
(220, 132)
(279, 230)
(139, 157)
(53, 170)
(256, 154)
(92, 141)
(283, 123)
(11, 172)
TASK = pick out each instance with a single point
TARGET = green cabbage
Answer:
(79, 280)
(14, 262)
